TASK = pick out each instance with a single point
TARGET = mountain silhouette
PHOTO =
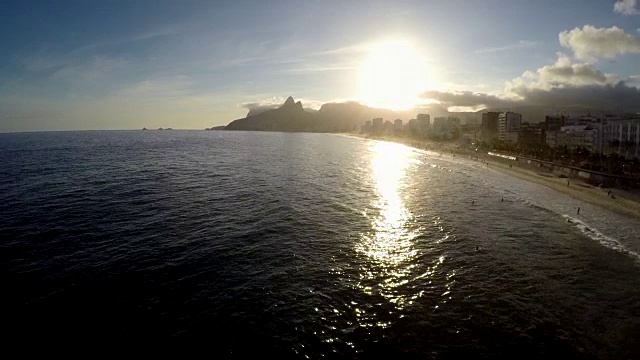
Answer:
(291, 116)
(288, 117)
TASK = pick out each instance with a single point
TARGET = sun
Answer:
(392, 76)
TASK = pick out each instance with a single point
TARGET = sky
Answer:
(79, 65)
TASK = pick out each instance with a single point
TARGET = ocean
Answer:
(313, 246)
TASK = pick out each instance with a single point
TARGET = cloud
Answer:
(619, 97)
(345, 50)
(574, 84)
(562, 73)
(564, 84)
(262, 105)
(633, 80)
(92, 69)
(522, 44)
(468, 99)
(320, 69)
(590, 42)
(626, 7)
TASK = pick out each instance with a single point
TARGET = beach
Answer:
(625, 201)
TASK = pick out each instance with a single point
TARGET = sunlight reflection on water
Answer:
(390, 245)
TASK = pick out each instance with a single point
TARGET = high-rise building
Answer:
(554, 122)
(424, 123)
(619, 135)
(397, 125)
(376, 125)
(508, 126)
(574, 136)
(489, 129)
(444, 126)
(530, 134)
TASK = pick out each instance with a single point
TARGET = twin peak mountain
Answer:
(291, 116)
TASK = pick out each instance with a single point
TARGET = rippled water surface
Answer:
(316, 245)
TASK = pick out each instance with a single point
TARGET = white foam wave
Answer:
(603, 239)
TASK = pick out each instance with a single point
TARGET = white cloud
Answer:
(626, 7)
(563, 84)
(564, 73)
(633, 80)
(345, 50)
(590, 42)
(276, 101)
(522, 44)
(92, 69)
(320, 68)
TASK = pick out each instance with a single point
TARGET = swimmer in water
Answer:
(477, 248)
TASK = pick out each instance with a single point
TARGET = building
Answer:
(489, 129)
(531, 135)
(387, 128)
(376, 125)
(366, 128)
(581, 120)
(508, 126)
(424, 124)
(445, 126)
(397, 126)
(620, 135)
(603, 134)
(574, 136)
(554, 122)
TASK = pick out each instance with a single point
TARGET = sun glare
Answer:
(392, 76)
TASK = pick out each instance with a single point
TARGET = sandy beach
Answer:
(626, 202)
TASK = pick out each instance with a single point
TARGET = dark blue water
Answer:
(294, 245)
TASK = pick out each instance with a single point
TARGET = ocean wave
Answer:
(592, 233)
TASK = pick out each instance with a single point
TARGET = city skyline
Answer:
(197, 64)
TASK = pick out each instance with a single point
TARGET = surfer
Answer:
(473, 202)
(502, 200)
(578, 209)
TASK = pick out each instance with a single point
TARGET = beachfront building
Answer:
(424, 124)
(574, 136)
(531, 134)
(554, 122)
(387, 128)
(508, 126)
(620, 135)
(366, 128)
(412, 126)
(376, 125)
(445, 126)
(397, 126)
(489, 130)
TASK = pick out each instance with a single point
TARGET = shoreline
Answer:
(625, 202)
